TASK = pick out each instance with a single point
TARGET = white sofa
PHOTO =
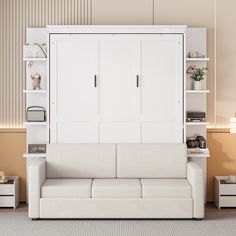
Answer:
(116, 181)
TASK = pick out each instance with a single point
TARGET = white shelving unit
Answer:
(196, 100)
(36, 132)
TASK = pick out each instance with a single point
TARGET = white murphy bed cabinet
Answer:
(195, 100)
(119, 84)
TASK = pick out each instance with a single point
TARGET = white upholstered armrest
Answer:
(195, 177)
(37, 175)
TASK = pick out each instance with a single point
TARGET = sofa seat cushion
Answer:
(166, 188)
(116, 188)
(66, 188)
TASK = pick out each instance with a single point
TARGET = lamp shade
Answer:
(233, 125)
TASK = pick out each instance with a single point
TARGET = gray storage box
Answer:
(35, 114)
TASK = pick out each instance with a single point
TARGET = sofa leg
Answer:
(34, 219)
(198, 219)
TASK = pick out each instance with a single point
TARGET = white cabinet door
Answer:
(75, 101)
(137, 95)
(119, 91)
(162, 89)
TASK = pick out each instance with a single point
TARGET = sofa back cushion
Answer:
(151, 161)
(81, 160)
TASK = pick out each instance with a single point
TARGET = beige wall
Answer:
(226, 61)
(12, 147)
(109, 12)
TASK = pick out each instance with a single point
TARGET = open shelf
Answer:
(35, 91)
(198, 91)
(198, 59)
(197, 152)
(197, 123)
(34, 59)
(25, 155)
(199, 155)
(34, 123)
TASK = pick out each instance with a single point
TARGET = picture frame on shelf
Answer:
(36, 148)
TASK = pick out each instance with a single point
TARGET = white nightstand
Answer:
(225, 192)
(9, 192)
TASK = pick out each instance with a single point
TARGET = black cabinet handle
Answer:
(137, 81)
(95, 81)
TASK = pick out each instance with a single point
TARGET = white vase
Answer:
(197, 85)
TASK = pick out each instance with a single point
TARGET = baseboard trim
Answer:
(218, 130)
(12, 130)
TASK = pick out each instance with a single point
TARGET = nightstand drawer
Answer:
(227, 201)
(7, 201)
(227, 189)
(7, 189)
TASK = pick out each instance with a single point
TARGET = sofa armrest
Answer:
(195, 176)
(36, 177)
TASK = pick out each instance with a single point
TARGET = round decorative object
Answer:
(197, 85)
(192, 143)
(202, 141)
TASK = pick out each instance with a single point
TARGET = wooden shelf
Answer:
(197, 123)
(34, 59)
(34, 123)
(198, 91)
(25, 155)
(35, 91)
(198, 59)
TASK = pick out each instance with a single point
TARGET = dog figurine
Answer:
(36, 80)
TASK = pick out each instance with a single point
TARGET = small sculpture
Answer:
(36, 79)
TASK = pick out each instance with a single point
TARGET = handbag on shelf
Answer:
(35, 50)
(36, 114)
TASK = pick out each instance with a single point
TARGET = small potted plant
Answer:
(197, 74)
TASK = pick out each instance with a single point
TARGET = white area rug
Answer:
(222, 223)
